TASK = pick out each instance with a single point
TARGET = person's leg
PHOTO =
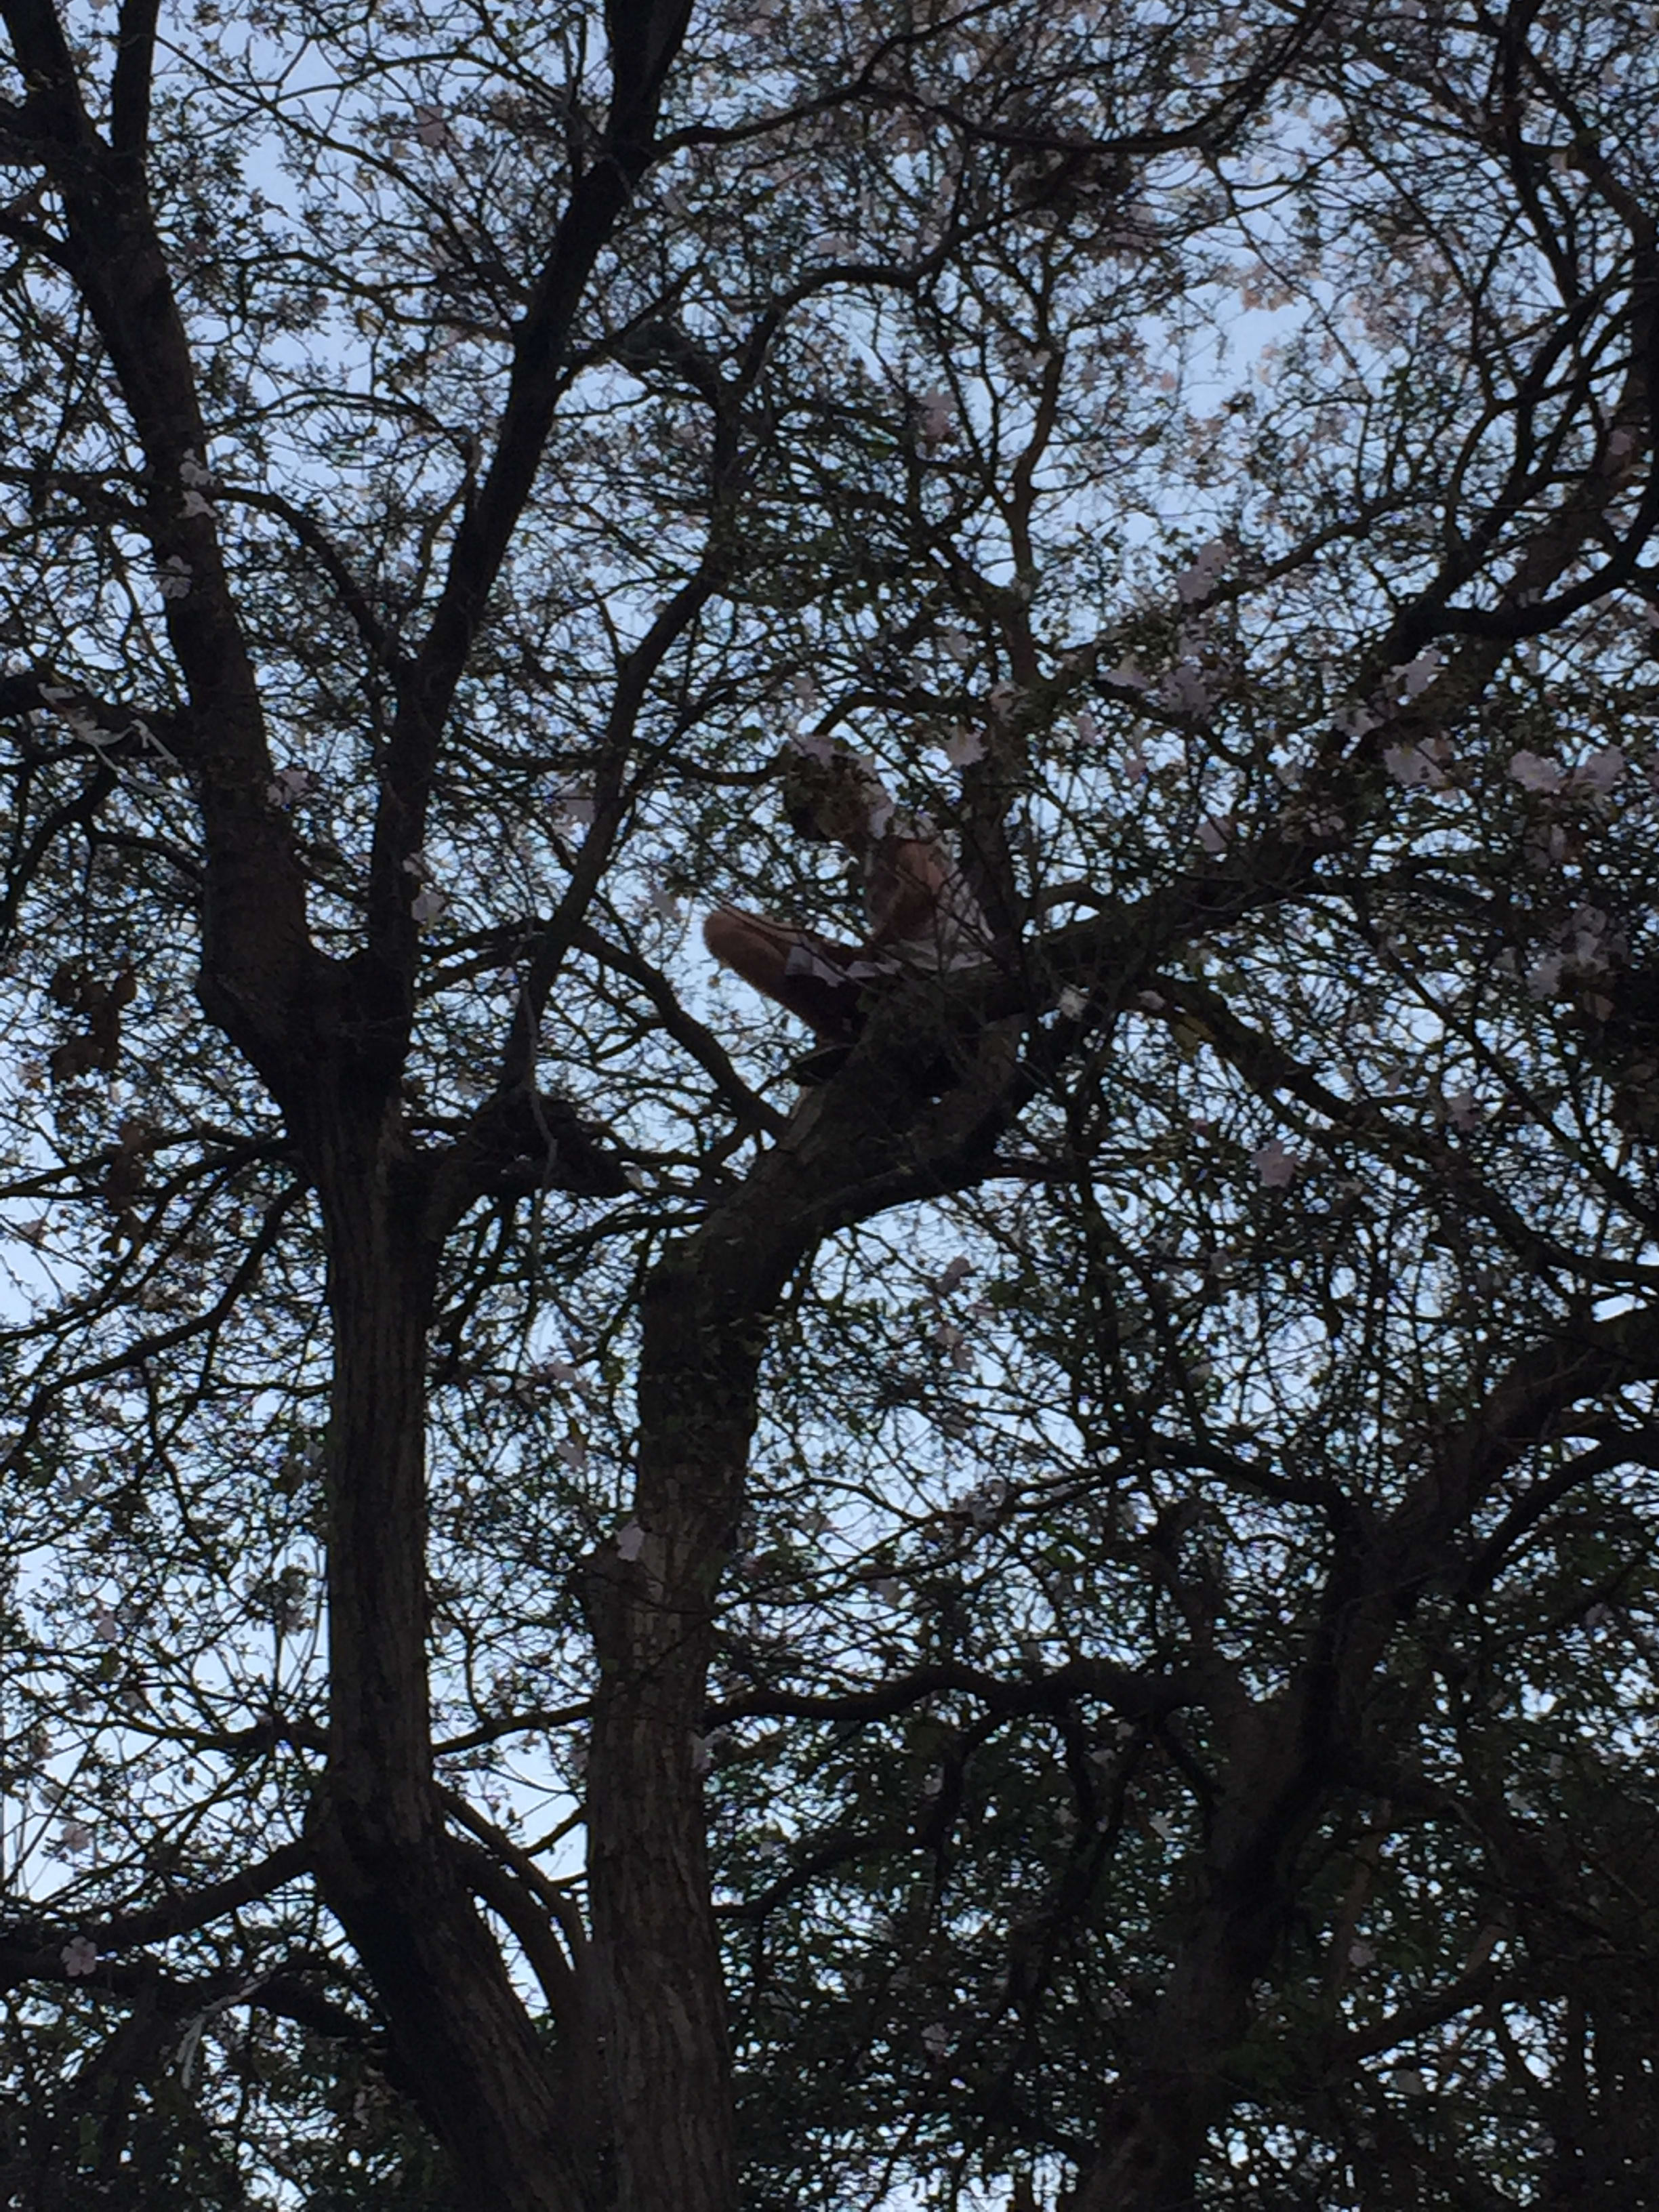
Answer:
(795, 967)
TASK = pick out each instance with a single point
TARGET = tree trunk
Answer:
(1275, 1771)
(463, 2038)
(659, 1985)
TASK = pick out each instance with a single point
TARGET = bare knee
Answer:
(750, 945)
(726, 932)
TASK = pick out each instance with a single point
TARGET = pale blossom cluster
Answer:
(1276, 1166)
(292, 784)
(1595, 778)
(1588, 946)
(428, 902)
(1188, 687)
(1196, 583)
(1422, 765)
(937, 415)
(80, 1956)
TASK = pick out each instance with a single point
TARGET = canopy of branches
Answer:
(1067, 1617)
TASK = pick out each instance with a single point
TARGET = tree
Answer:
(1084, 1585)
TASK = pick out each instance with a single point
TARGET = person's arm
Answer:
(907, 877)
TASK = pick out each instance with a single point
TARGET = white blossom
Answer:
(573, 1450)
(1199, 581)
(959, 646)
(1422, 763)
(195, 504)
(428, 904)
(662, 902)
(174, 577)
(1275, 1165)
(290, 785)
(1086, 726)
(1600, 772)
(1162, 1825)
(950, 1339)
(1407, 764)
(939, 415)
(1213, 831)
(1130, 673)
(1589, 940)
(936, 2041)
(1415, 676)
(1544, 976)
(1533, 772)
(631, 1542)
(964, 747)
(105, 1625)
(1409, 2081)
(80, 1955)
(1073, 1003)
(192, 474)
(1188, 687)
(431, 127)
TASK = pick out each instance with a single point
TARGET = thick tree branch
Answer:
(645, 35)
(129, 87)
(183, 1914)
(1133, 1694)
(256, 949)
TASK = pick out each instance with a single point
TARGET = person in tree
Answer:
(923, 920)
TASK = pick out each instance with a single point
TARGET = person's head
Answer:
(832, 796)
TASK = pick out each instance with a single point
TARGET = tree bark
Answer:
(1275, 1772)
(386, 1867)
(659, 1986)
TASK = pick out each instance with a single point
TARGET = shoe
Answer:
(813, 1068)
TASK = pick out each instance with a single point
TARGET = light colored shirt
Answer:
(922, 915)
